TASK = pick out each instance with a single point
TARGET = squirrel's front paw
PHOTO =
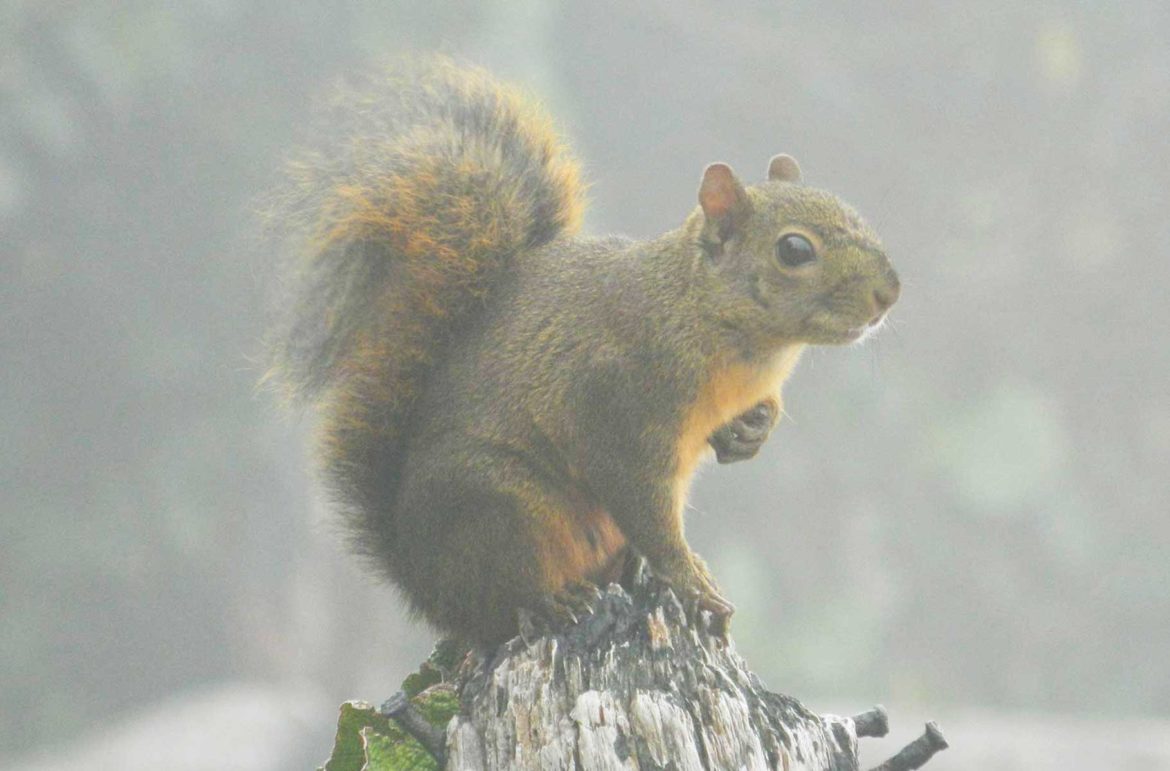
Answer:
(717, 605)
(695, 587)
(742, 438)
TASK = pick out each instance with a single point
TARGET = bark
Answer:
(640, 683)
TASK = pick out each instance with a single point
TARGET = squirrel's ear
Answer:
(783, 168)
(725, 203)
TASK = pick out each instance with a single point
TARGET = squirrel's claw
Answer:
(743, 437)
(711, 602)
(721, 611)
(696, 589)
(556, 612)
(543, 620)
(579, 597)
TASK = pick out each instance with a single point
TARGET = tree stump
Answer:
(639, 683)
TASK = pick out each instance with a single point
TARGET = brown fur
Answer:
(505, 409)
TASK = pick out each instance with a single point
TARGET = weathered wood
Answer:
(638, 684)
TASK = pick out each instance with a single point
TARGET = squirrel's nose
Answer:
(886, 296)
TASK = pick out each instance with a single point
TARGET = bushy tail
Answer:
(427, 178)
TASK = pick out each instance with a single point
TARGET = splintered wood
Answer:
(638, 684)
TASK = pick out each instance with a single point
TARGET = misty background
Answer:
(965, 519)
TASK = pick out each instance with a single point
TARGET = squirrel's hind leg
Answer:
(481, 541)
(477, 576)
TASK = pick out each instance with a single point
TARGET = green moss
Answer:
(387, 753)
(348, 750)
(367, 741)
(438, 704)
(444, 659)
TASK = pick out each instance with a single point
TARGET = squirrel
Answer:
(508, 411)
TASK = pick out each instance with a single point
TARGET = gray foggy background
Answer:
(966, 519)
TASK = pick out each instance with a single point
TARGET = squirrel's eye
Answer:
(794, 250)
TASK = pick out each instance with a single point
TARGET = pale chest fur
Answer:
(730, 390)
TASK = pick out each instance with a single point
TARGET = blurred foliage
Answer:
(971, 509)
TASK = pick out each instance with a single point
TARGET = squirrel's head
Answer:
(797, 264)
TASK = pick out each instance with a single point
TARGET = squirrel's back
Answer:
(425, 179)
